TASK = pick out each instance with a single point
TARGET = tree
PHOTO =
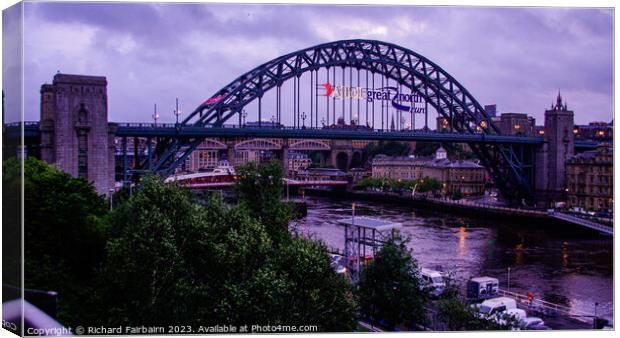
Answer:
(390, 287)
(259, 189)
(176, 262)
(64, 239)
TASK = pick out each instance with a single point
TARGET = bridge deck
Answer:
(31, 130)
(583, 222)
(149, 129)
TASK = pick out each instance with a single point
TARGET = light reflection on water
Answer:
(556, 266)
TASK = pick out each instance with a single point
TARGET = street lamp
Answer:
(508, 278)
(155, 115)
(303, 118)
(111, 198)
(177, 112)
(244, 114)
(323, 121)
(595, 305)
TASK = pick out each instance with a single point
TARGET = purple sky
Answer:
(516, 58)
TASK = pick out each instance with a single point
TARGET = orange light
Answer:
(601, 133)
(575, 131)
(483, 124)
(541, 132)
(517, 126)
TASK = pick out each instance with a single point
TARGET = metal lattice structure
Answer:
(511, 166)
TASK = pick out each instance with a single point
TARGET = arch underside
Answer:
(257, 144)
(410, 70)
(309, 145)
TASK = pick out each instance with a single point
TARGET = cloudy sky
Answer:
(517, 58)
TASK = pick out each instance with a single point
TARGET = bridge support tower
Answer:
(75, 134)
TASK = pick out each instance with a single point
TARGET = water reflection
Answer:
(569, 269)
(462, 236)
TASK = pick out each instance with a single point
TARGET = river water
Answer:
(556, 264)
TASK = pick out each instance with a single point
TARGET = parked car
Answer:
(533, 323)
(517, 314)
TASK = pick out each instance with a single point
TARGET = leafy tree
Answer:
(369, 182)
(260, 189)
(160, 230)
(176, 262)
(63, 238)
(428, 184)
(390, 287)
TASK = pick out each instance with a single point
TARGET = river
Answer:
(557, 265)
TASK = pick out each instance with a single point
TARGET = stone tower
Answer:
(75, 135)
(559, 146)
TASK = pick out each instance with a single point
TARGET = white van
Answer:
(495, 306)
(434, 281)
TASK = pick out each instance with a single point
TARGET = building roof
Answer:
(370, 223)
(428, 161)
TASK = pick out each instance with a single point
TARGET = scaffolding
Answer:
(363, 236)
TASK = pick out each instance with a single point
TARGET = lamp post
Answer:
(323, 121)
(177, 112)
(155, 115)
(508, 278)
(303, 118)
(595, 305)
(111, 198)
(244, 114)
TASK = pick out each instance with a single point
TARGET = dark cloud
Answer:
(515, 57)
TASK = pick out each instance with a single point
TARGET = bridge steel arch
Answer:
(512, 168)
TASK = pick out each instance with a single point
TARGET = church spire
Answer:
(558, 103)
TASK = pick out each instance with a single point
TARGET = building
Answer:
(75, 134)
(466, 177)
(599, 131)
(297, 162)
(491, 109)
(589, 179)
(517, 124)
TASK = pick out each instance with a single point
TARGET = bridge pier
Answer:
(285, 156)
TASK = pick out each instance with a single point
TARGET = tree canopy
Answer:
(390, 287)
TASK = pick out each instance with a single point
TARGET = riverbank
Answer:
(465, 208)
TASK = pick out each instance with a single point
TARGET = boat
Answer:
(222, 175)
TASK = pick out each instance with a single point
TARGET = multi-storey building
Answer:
(589, 178)
(297, 162)
(466, 177)
(595, 131)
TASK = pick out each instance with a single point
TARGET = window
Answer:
(82, 154)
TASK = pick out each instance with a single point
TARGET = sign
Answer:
(214, 99)
(401, 101)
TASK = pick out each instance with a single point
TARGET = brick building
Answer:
(466, 177)
(589, 179)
